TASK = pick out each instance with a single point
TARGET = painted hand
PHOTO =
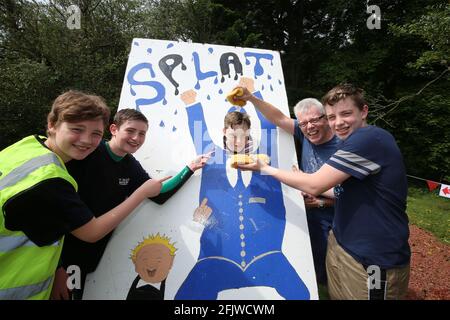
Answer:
(188, 97)
(248, 83)
(202, 213)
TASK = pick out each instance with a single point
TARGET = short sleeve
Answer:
(47, 212)
(138, 175)
(297, 131)
(356, 155)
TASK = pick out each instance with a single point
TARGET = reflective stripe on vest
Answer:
(27, 270)
(25, 292)
(28, 167)
(9, 243)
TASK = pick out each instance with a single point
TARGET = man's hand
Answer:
(202, 213)
(60, 291)
(258, 165)
(188, 97)
(311, 201)
(246, 85)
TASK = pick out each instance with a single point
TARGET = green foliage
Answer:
(25, 87)
(321, 44)
(420, 129)
(434, 28)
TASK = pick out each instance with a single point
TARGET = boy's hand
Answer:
(188, 97)
(152, 187)
(200, 161)
(60, 291)
(258, 165)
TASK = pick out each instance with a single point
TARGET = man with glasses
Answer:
(318, 144)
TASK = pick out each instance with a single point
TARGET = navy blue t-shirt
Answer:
(104, 183)
(370, 220)
(313, 158)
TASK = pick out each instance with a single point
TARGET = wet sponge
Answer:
(236, 93)
(247, 159)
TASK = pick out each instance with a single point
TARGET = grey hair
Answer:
(306, 104)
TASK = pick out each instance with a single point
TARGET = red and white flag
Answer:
(445, 191)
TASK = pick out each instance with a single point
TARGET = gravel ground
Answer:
(430, 267)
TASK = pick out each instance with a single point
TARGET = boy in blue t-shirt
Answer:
(368, 253)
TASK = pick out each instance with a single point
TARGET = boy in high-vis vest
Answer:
(39, 201)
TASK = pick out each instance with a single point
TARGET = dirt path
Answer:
(430, 267)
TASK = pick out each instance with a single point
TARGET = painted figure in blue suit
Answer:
(241, 244)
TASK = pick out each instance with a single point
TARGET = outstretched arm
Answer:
(171, 186)
(315, 183)
(99, 227)
(270, 112)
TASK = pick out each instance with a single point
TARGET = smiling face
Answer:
(128, 138)
(344, 117)
(314, 126)
(236, 137)
(153, 262)
(75, 140)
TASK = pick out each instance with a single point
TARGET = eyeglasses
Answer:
(312, 121)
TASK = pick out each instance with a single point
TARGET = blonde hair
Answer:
(153, 239)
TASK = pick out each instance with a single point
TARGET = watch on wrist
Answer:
(321, 203)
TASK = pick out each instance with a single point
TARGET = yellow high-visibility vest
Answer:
(27, 270)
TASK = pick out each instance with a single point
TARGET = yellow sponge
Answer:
(236, 93)
(247, 159)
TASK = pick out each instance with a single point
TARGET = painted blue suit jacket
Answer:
(246, 224)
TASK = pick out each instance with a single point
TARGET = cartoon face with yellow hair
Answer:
(153, 258)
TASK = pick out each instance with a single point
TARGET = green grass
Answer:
(429, 211)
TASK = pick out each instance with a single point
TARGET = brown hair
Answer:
(236, 118)
(75, 106)
(125, 115)
(342, 91)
